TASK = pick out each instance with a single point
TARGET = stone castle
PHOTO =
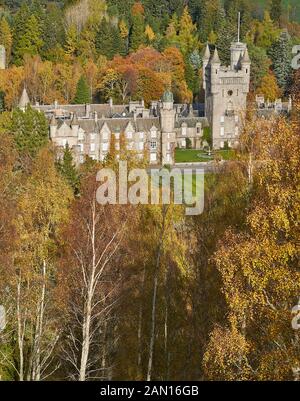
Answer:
(162, 127)
(226, 89)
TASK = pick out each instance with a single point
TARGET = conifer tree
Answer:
(187, 36)
(19, 29)
(109, 41)
(280, 54)
(137, 34)
(31, 41)
(29, 130)
(276, 10)
(68, 170)
(82, 92)
(227, 34)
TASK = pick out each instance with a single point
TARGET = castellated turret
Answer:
(2, 58)
(226, 89)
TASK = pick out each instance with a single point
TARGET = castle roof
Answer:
(24, 101)
(206, 55)
(216, 58)
(246, 58)
(167, 96)
(53, 121)
(75, 119)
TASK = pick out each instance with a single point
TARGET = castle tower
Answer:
(53, 127)
(2, 58)
(226, 89)
(24, 100)
(167, 121)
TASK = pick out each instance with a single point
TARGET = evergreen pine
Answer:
(82, 92)
(30, 130)
(280, 53)
(109, 41)
(67, 168)
(137, 37)
(226, 35)
(30, 42)
(276, 10)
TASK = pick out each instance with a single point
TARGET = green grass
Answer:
(194, 155)
(190, 156)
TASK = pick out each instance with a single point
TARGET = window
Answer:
(183, 130)
(221, 144)
(222, 118)
(168, 146)
(80, 135)
(105, 135)
(183, 143)
(236, 130)
(153, 145)
(105, 146)
(129, 135)
(230, 93)
(153, 157)
(198, 130)
(141, 135)
(236, 117)
(117, 135)
(153, 134)
(168, 157)
(81, 147)
(93, 147)
(93, 136)
(222, 131)
(64, 143)
(141, 146)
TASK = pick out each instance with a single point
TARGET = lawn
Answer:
(191, 155)
(194, 155)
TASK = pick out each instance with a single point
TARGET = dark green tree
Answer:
(2, 104)
(53, 29)
(82, 92)
(211, 18)
(108, 40)
(30, 41)
(68, 169)
(226, 35)
(29, 129)
(260, 64)
(280, 53)
(137, 36)
(276, 10)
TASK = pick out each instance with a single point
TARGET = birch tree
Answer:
(91, 263)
